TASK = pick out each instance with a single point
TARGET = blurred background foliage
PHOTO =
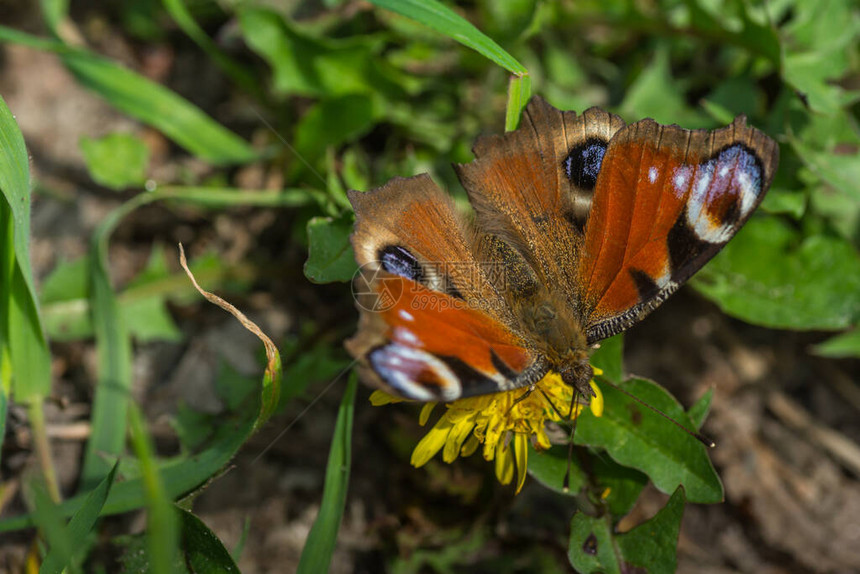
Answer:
(243, 107)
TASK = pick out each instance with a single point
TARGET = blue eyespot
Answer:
(583, 163)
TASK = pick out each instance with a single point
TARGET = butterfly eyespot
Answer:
(399, 261)
(583, 163)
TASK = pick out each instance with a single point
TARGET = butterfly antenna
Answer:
(573, 404)
(696, 435)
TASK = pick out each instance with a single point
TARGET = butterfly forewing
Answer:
(666, 201)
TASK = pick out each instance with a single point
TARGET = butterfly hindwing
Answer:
(429, 346)
(432, 326)
(666, 200)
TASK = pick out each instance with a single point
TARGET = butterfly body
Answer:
(582, 227)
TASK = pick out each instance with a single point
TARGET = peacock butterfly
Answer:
(583, 225)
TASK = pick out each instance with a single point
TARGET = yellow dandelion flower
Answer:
(502, 423)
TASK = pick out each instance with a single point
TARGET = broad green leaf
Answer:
(162, 524)
(609, 357)
(635, 436)
(445, 21)
(79, 527)
(649, 547)
(842, 346)
(652, 544)
(550, 466)
(821, 41)
(781, 201)
(656, 94)
(591, 549)
(204, 552)
(334, 121)
(617, 486)
(330, 256)
(310, 66)
(770, 276)
(319, 547)
(117, 160)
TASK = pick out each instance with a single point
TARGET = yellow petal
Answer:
(504, 463)
(472, 444)
(597, 371)
(542, 441)
(432, 443)
(521, 456)
(459, 433)
(597, 400)
(379, 398)
(425, 413)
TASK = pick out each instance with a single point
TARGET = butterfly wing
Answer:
(429, 346)
(531, 188)
(432, 326)
(666, 200)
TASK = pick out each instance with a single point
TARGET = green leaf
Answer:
(549, 467)
(656, 94)
(330, 256)
(159, 107)
(204, 552)
(591, 549)
(80, 525)
(117, 160)
(768, 275)
(319, 547)
(842, 346)
(162, 526)
(699, 411)
(309, 66)
(25, 361)
(445, 21)
(183, 18)
(49, 519)
(609, 357)
(618, 486)
(637, 437)
(652, 544)
(595, 548)
(334, 121)
(519, 93)
(114, 355)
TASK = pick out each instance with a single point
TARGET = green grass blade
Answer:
(48, 517)
(113, 349)
(81, 524)
(519, 92)
(151, 103)
(179, 477)
(162, 524)
(159, 107)
(183, 18)
(316, 556)
(203, 550)
(445, 21)
(28, 357)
